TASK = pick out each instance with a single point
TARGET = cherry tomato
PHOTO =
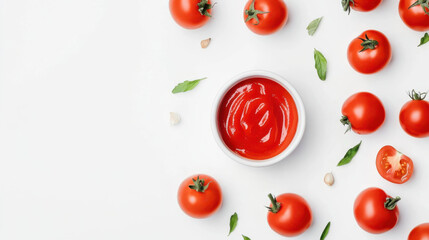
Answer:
(375, 211)
(191, 14)
(414, 115)
(289, 214)
(421, 232)
(200, 196)
(363, 112)
(370, 52)
(360, 5)
(414, 15)
(265, 16)
(394, 166)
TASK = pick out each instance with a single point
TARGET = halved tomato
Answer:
(393, 165)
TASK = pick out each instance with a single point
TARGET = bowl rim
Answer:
(299, 105)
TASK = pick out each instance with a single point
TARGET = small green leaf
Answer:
(349, 155)
(245, 238)
(186, 86)
(312, 27)
(424, 39)
(325, 231)
(320, 64)
(233, 223)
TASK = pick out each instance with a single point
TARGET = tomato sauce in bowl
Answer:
(258, 118)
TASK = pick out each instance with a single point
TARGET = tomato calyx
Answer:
(252, 13)
(417, 95)
(199, 185)
(346, 5)
(346, 122)
(203, 7)
(368, 43)
(390, 203)
(275, 208)
(422, 3)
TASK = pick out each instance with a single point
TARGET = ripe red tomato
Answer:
(375, 211)
(370, 52)
(394, 166)
(414, 115)
(289, 214)
(191, 14)
(360, 5)
(421, 232)
(414, 15)
(200, 196)
(265, 16)
(363, 112)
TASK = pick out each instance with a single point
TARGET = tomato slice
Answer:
(394, 166)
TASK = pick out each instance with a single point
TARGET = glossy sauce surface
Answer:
(257, 118)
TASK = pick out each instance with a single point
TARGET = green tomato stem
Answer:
(275, 205)
(199, 185)
(390, 203)
(424, 4)
(252, 13)
(203, 7)
(417, 95)
(346, 5)
(368, 43)
(346, 122)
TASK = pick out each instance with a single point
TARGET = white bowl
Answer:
(301, 118)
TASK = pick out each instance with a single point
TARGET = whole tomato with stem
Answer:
(289, 214)
(363, 113)
(265, 16)
(421, 232)
(369, 52)
(414, 115)
(360, 5)
(375, 211)
(200, 196)
(394, 166)
(415, 14)
(191, 14)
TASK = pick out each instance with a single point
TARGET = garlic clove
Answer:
(329, 179)
(205, 43)
(174, 119)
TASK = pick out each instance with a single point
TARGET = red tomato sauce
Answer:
(257, 118)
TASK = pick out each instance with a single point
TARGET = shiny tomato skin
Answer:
(370, 213)
(365, 112)
(270, 22)
(200, 204)
(394, 166)
(415, 18)
(421, 232)
(186, 14)
(371, 60)
(365, 5)
(294, 216)
(414, 118)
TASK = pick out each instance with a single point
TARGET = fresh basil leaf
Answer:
(349, 155)
(320, 64)
(312, 27)
(325, 231)
(186, 86)
(245, 238)
(233, 223)
(424, 39)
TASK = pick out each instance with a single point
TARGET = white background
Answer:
(86, 150)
